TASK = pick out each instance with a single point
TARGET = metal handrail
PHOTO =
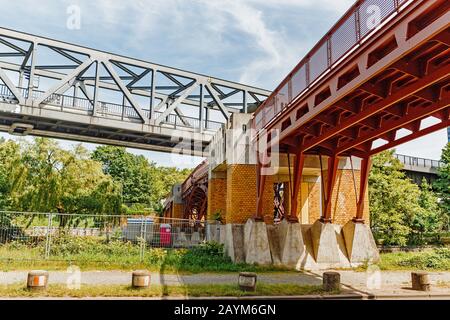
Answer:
(419, 162)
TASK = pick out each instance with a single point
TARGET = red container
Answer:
(165, 237)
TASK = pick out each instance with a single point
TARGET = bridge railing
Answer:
(419, 162)
(105, 109)
(357, 24)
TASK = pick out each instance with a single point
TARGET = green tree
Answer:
(442, 184)
(164, 178)
(10, 167)
(143, 182)
(131, 171)
(394, 200)
(429, 220)
(43, 177)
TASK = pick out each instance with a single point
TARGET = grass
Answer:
(89, 253)
(210, 290)
(429, 260)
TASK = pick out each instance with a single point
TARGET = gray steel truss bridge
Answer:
(61, 90)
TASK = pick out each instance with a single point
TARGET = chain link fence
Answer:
(35, 235)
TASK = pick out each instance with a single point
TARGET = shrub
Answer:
(436, 259)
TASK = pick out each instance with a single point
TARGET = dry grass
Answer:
(223, 290)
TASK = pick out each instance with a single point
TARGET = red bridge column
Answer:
(363, 183)
(298, 169)
(333, 162)
(260, 185)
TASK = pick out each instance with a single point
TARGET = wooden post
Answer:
(37, 280)
(140, 279)
(247, 281)
(331, 281)
(420, 281)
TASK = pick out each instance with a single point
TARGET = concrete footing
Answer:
(256, 243)
(359, 242)
(303, 247)
(328, 245)
(234, 242)
(291, 244)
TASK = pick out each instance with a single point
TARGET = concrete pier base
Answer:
(303, 247)
(291, 244)
(256, 243)
(359, 242)
(234, 242)
(328, 245)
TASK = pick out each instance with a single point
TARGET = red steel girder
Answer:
(333, 162)
(260, 185)
(420, 133)
(390, 126)
(371, 110)
(363, 182)
(406, 45)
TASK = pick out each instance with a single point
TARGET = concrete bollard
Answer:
(37, 280)
(331, 281)
(420, 281)
(247, 281)
(140, 279)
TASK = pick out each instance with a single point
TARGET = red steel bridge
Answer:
(367, 86)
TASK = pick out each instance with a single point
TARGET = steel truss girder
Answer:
(128, 83)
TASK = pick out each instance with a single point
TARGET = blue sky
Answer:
(256, 42)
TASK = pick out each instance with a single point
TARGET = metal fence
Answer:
(33, 235)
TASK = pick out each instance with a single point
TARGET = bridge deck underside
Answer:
(78, 127)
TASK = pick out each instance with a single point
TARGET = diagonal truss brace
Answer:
(217, 100)
(11, 87)
(176, 103)
(66, 82)
(125, 90)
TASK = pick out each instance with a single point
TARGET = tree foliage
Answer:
(40, 176)
(442, 184)
(401, 212)
(143, 182)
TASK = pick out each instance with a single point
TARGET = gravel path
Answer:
(356, 280)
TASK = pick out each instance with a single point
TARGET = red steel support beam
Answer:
(333, 162)
(363, 182)
(442, 125)
(375, 108)
(396, 124)
(260, 185)
(298, 169)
